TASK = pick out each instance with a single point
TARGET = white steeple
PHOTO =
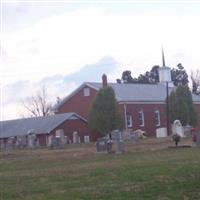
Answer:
(165, 73)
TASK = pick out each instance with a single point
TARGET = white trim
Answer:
(86, 91)
(157, 112)
(141, 114)
(142, 102)
(130, 120)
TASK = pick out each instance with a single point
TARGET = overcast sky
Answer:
(61, 44)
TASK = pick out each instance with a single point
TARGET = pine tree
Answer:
(104, 115)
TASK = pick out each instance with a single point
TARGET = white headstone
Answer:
(177, 128)
(161, 132)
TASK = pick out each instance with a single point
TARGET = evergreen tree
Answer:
(172, 106)
(181, 106)
(104, 115)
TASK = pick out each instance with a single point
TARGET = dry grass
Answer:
(147, 170)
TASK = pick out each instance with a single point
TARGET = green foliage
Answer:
(181, 106)
(104, 115)
(178, 74)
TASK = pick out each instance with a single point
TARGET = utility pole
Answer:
(167, 108)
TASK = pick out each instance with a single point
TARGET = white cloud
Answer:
(63, 43)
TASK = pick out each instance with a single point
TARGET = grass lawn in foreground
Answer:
(148, 170)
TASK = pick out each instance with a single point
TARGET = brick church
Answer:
(141, 105)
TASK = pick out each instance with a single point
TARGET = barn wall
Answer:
(79, 126)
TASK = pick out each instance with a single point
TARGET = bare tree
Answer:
(38, 105)
(195, 77)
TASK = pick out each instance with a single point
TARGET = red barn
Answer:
(141, 105)
(45, 127)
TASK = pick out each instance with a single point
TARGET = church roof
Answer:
(38, 125)
(137, 92)
(140, 93)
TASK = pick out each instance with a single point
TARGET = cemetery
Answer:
(147, 170)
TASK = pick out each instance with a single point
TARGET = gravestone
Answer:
(9, 144)
(2, 145)
(134, 137)
(198, 139)
(56, 142)
(102, 145)
(177, 128)
(161, 132)
(21, 142)
(31, 141)
(117, 139)
(86, 139)
(187, 130)
(76, 138)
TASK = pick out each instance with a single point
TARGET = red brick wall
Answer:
(197, 106)
(79, 103)
(149, 116)
(42, 139)
(79, 126)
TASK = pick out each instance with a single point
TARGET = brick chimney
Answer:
(104, 81)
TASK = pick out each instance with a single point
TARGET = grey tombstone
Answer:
(102, 145)
(134, 137)
(187, 130)
(117, 139)
(198, 139)
(31, 143)
(56, 142)
(76, 138)
(9, 144)
(2, 145)
(21, 142)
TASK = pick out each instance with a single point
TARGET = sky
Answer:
(61, 44)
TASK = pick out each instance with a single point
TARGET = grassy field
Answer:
(148, 170)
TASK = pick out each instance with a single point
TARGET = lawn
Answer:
(147, 170)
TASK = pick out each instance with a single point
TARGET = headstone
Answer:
(9, 144)
(198, 139)
(76, 138)
(140, 133)
(117, 139)
(187, 130)
(134, 137)
(56, 142)
(102, 145)
(86, 139)
(161, 132)
(32, 139)
(21, 142)
(177, 128)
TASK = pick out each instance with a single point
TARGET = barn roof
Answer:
(131, 92)
(39, 125)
